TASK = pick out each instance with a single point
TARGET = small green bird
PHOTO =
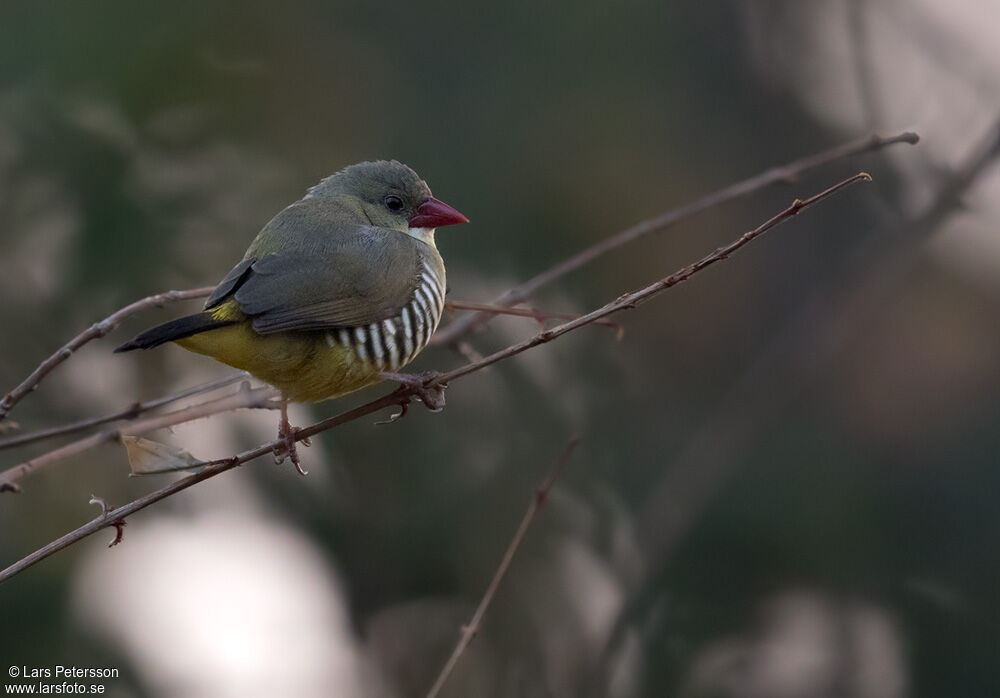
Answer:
(339, 287)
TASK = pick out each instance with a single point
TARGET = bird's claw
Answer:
(431, 395)
(288, 449)
(288, 446)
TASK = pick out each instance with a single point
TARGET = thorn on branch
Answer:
(404, 408)
(94, 499)
(119, 524)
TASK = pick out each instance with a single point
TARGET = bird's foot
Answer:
(431, 395)
(288, 447)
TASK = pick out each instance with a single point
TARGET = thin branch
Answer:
(404, 394)
(859, 21)
(533, 313)
(798, 350)
(631, 300)
(245, 398)
(845, 301)
(131, 412)
(95, 331)
(114, 517)
(470, 630)
(784, 173)
(451, 334)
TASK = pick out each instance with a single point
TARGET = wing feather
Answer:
(357, 276)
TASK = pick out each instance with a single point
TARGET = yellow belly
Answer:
(302, 365)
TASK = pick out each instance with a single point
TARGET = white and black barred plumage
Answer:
(394, 342)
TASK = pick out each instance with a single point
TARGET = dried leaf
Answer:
(152, 458)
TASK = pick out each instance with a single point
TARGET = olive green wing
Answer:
(229, 283)
(354, 277)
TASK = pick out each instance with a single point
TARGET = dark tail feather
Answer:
(175, 329)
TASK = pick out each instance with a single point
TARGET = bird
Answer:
(340, 290)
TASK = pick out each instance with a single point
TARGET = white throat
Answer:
(425, 235)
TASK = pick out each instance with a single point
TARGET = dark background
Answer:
(787, 478)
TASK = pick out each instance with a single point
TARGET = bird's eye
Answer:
(393, 203)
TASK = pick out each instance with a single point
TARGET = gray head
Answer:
(386, 194)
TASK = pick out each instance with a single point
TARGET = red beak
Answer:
(433, 214)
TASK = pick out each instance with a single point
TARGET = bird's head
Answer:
(388, 194)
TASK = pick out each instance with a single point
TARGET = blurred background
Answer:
(787, 479)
